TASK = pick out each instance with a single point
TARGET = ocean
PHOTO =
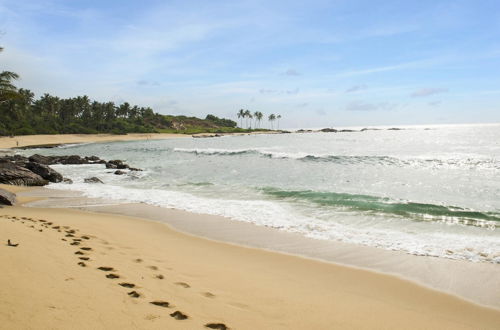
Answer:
(423, 190)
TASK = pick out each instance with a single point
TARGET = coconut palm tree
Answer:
(241, 115)
(7, 90)
(248, 115)
(271, 118)
(278, 117)
(258, 117)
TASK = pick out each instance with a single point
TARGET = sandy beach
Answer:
(53, 281)
(55, 139)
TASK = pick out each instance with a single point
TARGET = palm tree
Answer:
(7, 90)
(278, 117)
(241, 115)
(271, 118)
(248, 114)
(258, 117)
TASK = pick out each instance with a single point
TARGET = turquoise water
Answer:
(424, 190)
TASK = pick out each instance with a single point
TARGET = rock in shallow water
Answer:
(44, 171)
(92, 180)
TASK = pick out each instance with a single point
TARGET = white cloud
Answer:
(428, 92)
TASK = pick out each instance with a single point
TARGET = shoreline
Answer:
(22, 141)
(243, 288)
(55, 140)
(439, 274)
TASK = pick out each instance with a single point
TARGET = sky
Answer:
(316, 63)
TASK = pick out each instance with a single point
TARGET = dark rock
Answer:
(67, 180)
(329, 130)
(7, 198)
(347, 131)
(135, 169)
(92, 180)
(93, 158)
(44, 171)
(17, 175)
(41, 159)
(119, 172)
(395, 129)
(116, 162)
(72, 160)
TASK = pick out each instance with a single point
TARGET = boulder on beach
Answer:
(7, 198)
(92, 180)
(44, 171)
(16, 175)
(120, 172)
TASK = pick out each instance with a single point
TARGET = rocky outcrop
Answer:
(120, 172)
(116, 164)
(41, 159)
(11, 173)
(329, 130)
(92, 180)
(7, 198)
(35, 170)
(44, 171)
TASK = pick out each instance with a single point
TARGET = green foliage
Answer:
(79, 115)
(223, 122)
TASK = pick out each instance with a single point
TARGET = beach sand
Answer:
(42, 285)
(55, 139)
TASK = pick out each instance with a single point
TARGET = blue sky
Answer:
(317, 63)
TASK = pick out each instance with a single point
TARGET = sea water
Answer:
(432, 191)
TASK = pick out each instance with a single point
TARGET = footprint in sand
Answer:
(218, 326)
(160, 303)
(79, 252)
(106, 269)
(138, 260)
(85, 237)
(84, 258)
(153, 267)
(179, 315)
(112, 276)
(184, 285)
(159, 276)
(75, 243)
(134, 294)
(86, 248)
(127, 285)
(81, 263)
(208, 294)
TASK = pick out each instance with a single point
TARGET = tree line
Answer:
(257, 117)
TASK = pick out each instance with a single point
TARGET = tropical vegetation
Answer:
(246, 115)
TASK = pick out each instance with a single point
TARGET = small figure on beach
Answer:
(11, 244)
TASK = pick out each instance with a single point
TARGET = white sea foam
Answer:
(280, 216)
